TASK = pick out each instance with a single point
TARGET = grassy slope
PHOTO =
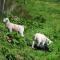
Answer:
(51, 27)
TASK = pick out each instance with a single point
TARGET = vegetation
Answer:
(38, 16)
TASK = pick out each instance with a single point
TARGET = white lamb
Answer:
(12, 26)
(41, 40)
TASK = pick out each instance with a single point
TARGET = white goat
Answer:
(41, 40)
(12, 26)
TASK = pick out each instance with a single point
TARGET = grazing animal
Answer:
(12, 26)
(41, 40)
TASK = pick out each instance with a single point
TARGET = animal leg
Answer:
(33, 44)
(10, 29)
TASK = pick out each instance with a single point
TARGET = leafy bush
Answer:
(10, 57)
(4, 51)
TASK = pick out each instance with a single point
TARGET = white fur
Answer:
(12, 26)
(41, 39)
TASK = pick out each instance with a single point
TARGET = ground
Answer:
(44, 17)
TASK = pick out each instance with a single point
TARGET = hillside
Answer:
(38, 16)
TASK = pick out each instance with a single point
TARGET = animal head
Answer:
(6, 20)
(50, 42)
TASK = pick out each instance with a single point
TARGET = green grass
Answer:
(45, 19)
